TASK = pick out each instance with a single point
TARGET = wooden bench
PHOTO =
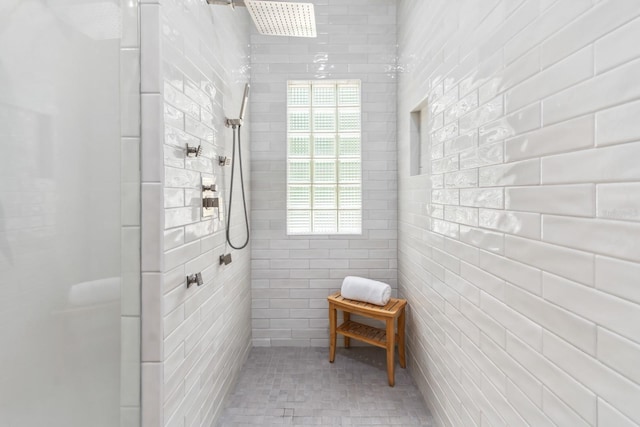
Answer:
(385, 338)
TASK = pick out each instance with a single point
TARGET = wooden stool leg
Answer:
(347, 340)
(401, 353)
(391, 346)
(333, 315)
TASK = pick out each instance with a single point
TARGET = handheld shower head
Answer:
(245, 100)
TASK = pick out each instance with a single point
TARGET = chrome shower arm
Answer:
(232, 3)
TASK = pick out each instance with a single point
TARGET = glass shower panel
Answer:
(60, 226)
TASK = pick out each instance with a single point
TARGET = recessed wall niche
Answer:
(419, 153)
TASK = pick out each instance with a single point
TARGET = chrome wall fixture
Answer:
(232, 3)
(210, 202)
(194, 279)
(194, 151)
(235, 125)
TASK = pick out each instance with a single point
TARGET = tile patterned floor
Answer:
(298, 386)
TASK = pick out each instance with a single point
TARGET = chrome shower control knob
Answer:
(210, 202)
(194, 279)
(194, 151)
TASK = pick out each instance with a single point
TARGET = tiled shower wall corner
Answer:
(130, 214)
(195, 340)
(519, 249)
(293, 275)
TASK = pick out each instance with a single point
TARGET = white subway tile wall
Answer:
(519, 252)
(195, 63)
(293, 275)
(130, 215)
(152, 216)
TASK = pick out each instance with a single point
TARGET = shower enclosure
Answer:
(69, 314)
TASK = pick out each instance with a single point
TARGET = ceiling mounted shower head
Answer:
(276, 18)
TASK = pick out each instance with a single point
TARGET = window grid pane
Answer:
(299, 171)
(324, 95)
(324, 197)
(349, 197)
(349, 119)
(324, 194)
(299, 197)
(349, 95)
(324, 120)
(324, 145)
(299, 145)
(324, 171)
(299, 120)
(349, 171)
(325, 221)
(299, 95)
(298, 222)
(349, 221)
(349, 145)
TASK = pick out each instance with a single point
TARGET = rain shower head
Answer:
(278, 18)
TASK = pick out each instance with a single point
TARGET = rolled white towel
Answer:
(366, 290)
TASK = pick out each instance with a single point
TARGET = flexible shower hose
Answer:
(244, 200)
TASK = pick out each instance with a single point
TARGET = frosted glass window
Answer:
(299, 95)
(349, 222)
(324, 188)
(349, 95)
(325, 222)
(324, 120)
(299, 171)
(324, 197)
(349, 171)
(299, 145)
(349, 145)
(324, 95)
(299, 197)
(349, 119)
(324, 171)
(350, 197)
(299, 120)
(298, 222)
(325, 145)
